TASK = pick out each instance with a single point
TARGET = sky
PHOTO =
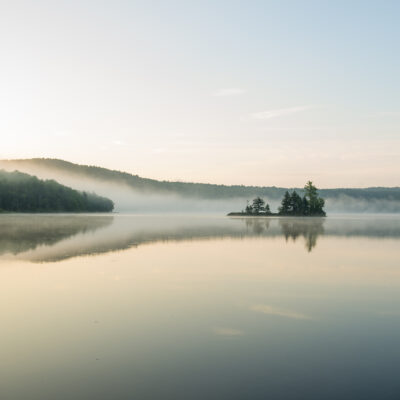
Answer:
(233, 92)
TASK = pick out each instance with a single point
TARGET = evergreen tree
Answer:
(249, 208)
(21, 192)
(315, 203)
(305, 206)
(296, 204)
(258, 205)
(284, 209)
(292, 204)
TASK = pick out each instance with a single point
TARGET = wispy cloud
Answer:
(228, 92)
(227, 332)
(269, 310)
(279, 112)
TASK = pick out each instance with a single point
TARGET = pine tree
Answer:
(258, 205)
(296, 204)
(315, 203)
(305, 206)
(249, 208)
(284, 209)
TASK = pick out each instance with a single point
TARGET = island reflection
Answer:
(47, 238)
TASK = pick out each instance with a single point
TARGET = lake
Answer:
(199, 307)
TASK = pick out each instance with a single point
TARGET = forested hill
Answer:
(20, 192)
(375, 199)
(202, 190)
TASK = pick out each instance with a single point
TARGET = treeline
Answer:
(311, 204)
(201, 190)
(21, 192)
(186, 189)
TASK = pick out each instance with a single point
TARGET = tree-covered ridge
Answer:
(189, 189)
(373, 199)
(21, 192)
(292, 204)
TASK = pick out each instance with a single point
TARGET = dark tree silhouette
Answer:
(310, 204)
(296, 204)
(285, 207)
(316, 203)
(258, 205)
(25, 193)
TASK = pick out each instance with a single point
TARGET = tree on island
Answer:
(249, 208)
(315, 203)
(258, 207)
(292, 204)
(285, 205)
(310, 204)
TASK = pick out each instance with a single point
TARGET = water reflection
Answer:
(43, 238)
(309, 229)
(221, 309)
(257, 225)
(21, 233)
(291, 228)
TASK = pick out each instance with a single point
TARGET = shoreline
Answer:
(243, 214)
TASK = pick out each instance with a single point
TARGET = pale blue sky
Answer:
(252, 92)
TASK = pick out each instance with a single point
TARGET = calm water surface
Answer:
(138, 307)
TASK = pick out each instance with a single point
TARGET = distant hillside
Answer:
(202, 190)
(20, 192)
(374, 199)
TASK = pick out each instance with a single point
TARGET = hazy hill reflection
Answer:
(45, 238)
(20, 233)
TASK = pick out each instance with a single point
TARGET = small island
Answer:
(310, 205)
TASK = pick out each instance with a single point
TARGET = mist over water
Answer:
(48, 238)
(228, 225)
(128, 199)
(125, 306)
(347, 204)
